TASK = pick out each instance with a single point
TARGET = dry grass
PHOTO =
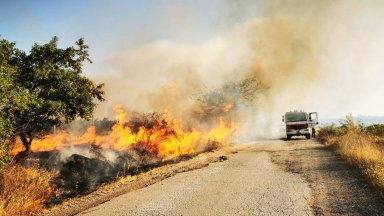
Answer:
(23, 190)
(358, 147)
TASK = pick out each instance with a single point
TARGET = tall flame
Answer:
(166, 139)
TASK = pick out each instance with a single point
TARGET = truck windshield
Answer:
(295, 117)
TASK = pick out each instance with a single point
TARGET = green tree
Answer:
(5, 126)
(10, 97)
(48, 88)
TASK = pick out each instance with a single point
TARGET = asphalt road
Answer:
(264, 178)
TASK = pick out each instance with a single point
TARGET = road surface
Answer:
(273, 177)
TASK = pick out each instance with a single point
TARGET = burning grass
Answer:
(157, 134)
(23, 191)
(359, 147)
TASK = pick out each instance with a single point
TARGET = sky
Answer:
(125, 37)
(117, 25)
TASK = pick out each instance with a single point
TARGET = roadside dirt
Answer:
(336, 188)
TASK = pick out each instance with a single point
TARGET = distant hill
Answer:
(366, 120)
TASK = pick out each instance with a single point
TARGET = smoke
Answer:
(316, 56)
(86, 151)
(347, 43)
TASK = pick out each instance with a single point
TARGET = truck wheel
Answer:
(289, 137)
(308, 136)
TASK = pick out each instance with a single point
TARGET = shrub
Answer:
(329, 131)
(375, 129)
(5, 156)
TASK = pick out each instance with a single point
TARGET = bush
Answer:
(329, 131)
(5, 156)
(23, 191)
(5, 136)
(375, 129)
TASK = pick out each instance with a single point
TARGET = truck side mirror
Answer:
(282, 118)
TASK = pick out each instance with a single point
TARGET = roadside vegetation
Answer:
(23, 191)
(361, 146)
(38, 90)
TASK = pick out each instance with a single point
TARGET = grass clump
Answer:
(360, 146)
(23, 191)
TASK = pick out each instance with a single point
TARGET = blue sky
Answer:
(110, 26)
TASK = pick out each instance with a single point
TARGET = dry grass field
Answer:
(360, 146)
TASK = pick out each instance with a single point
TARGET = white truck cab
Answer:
(299, 123)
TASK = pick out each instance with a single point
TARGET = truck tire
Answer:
(308, 136)
(289, 137)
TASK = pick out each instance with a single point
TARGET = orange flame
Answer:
(167, 139)
(229, 106)
(168, 87)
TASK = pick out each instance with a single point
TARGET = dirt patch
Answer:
(337, 189)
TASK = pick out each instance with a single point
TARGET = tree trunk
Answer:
(27, 144)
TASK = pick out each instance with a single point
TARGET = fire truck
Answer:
(299, 123)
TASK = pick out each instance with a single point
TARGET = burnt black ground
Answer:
(78, 174)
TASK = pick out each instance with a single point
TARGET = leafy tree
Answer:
(51, 89)
(10, 96)
(5, 126)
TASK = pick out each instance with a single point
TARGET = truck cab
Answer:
(299, 123)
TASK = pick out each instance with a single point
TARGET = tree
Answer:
(5, 126)
(214, 103)
(51, 89)
(10, 96)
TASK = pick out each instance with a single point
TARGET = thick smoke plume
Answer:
(307, 55)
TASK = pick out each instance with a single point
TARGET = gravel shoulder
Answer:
(336, 187)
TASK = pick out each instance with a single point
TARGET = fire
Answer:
(168, 87)
(221, 133)
(229, 106)
(166, 137)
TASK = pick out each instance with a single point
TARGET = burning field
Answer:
(158, 135)
(133, 145)
(183, 96)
